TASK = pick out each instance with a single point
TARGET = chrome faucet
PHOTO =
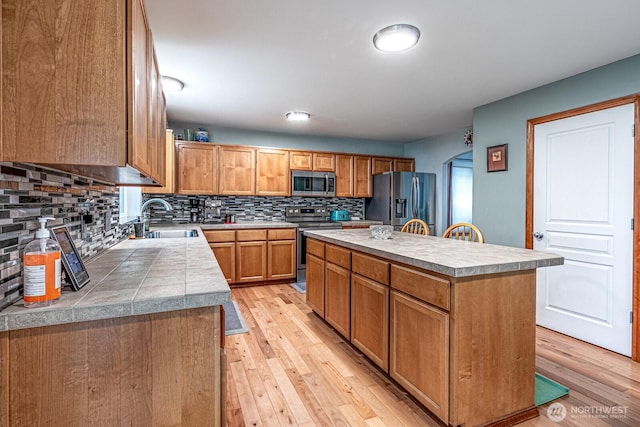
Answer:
(145, 205)
(167, 205)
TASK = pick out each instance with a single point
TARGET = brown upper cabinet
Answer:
(395, 164)
(245, 170)
(272, 173)
(353, 176)
(312, 161)
(301, 160)
(237, 170)
(362, 179)
(197, 166)
(404, 165)
(324, 162)
(382, 165)
(169, 186)
(344, 175)
(80, 89)
(156, 121)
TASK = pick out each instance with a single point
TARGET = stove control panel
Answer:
(306, 213)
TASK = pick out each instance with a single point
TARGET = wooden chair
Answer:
(416, 226)
(464, 231)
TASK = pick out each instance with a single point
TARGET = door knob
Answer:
(538, 235)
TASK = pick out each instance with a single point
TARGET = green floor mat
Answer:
(547, 390)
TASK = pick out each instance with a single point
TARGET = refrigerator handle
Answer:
(416, 207)
(415, 196)
(390, 201)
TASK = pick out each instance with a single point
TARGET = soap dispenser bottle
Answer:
(42, 269)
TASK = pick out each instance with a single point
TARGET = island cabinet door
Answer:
(315, 283)
(338, 298)
(419, 352)
(370, 319)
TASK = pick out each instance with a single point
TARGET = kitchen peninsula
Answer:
(453, 322)
(140, 344)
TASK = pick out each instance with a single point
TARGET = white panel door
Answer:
(583, 206)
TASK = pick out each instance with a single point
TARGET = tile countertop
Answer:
(453, 258)
(137, 276)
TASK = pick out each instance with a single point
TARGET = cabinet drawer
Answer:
(315, 247)
(370, 267)
(431, 289)
(250, 235)
(338, 256)
(220, 236)
(282, 234)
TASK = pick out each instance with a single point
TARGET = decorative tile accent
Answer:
(28, 192)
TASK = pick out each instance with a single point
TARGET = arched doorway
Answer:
(459, 197)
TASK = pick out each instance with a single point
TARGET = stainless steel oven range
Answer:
(308, 218)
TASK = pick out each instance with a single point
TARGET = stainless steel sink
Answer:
(168, 234)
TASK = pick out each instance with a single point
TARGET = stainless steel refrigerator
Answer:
(401, 196)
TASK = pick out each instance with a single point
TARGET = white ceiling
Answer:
(247, 62)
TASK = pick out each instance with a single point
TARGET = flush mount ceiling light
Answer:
(396, 38)
(297, 116)
(171, 84)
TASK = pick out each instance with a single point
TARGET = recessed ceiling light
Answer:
(396, 38)
(171, 84)
(297, 116)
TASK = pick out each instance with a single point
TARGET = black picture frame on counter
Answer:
(497, 158)
(71, 260)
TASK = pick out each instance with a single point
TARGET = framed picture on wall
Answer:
(497, 158)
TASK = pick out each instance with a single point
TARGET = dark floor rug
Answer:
(233, 321)
(548, 390)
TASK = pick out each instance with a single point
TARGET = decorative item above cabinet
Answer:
(81, 90)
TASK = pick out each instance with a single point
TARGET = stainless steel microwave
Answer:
(318, 184)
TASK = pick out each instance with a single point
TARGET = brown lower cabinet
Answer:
(315, 276)
(338, 298)
(419, 351)
(281, 259)
(251, 256)
(134, 370)
(370, 319)
(338, 289)
(251, 261)
(225, 253)
(315, 284)
(462, 346)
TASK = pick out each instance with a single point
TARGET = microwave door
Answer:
(318, 185)
(302, 185)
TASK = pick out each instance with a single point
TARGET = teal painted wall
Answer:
(230, 136)
(499, 197)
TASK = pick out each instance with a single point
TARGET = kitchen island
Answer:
(140, 344)
(453, 322)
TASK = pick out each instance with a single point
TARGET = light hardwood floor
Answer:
(293, 369)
